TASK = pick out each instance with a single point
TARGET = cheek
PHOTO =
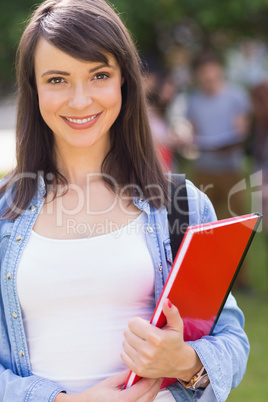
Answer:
(112, 98)
(49, 103)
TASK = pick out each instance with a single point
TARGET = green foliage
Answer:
(149, 21)
(235, 17)
(13, 15)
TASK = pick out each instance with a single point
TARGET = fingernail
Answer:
(169, 304)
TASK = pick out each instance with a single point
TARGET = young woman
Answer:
(84, 241)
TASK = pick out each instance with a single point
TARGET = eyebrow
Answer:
(49, 72)
(92, 70)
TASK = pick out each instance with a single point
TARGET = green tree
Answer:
(210, 20)
(154, 24)
(13, 15)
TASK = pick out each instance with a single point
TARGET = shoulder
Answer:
(238, 93)
(3, 180)
(4, 195)
(3, 206)
(201, 209)
(194, 98)
(236, 90)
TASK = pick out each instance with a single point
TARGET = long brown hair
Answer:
(86, 30)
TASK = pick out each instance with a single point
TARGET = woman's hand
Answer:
(153, 352)
(110, 390)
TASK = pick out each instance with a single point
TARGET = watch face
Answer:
(202, 382)
(199, 380)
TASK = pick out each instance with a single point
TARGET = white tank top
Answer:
(77, 296)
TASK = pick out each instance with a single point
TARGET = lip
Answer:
(79, 126)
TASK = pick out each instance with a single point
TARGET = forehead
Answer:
(48, 56)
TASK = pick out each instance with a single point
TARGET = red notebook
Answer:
(202, 275)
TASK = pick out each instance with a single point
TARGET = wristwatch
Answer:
(199, 380)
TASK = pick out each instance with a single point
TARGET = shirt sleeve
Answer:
(224, 354)
(26, 389)
(242, 101)
(13, 387)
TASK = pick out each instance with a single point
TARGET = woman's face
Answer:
(78, 100)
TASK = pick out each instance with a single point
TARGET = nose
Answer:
(80, 98)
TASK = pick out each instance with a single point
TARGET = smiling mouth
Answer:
(81, 121)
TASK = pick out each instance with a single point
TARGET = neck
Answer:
(78, 165)
(216, 90)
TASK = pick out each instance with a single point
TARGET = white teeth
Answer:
(79, 121)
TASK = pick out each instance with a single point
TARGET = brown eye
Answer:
(101, 76)
(56, 80)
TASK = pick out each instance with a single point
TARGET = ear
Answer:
(122, 81)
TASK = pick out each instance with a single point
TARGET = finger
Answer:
(141, 364)
(118, 380)
(152, 393)
(130, 351)
(144, 390)
(133, 340)
(141, 352)
(144, 330)
(174, 320)
(129, 362)
(139, 327)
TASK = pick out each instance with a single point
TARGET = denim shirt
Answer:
(224, 355)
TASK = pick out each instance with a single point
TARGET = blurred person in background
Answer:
(219, 115)
(160, 92)
(259, 141)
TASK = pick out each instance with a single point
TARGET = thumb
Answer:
(174, 320)
(119, 379)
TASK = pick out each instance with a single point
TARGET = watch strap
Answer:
(199, 380)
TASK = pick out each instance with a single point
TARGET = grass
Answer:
(254, 386)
